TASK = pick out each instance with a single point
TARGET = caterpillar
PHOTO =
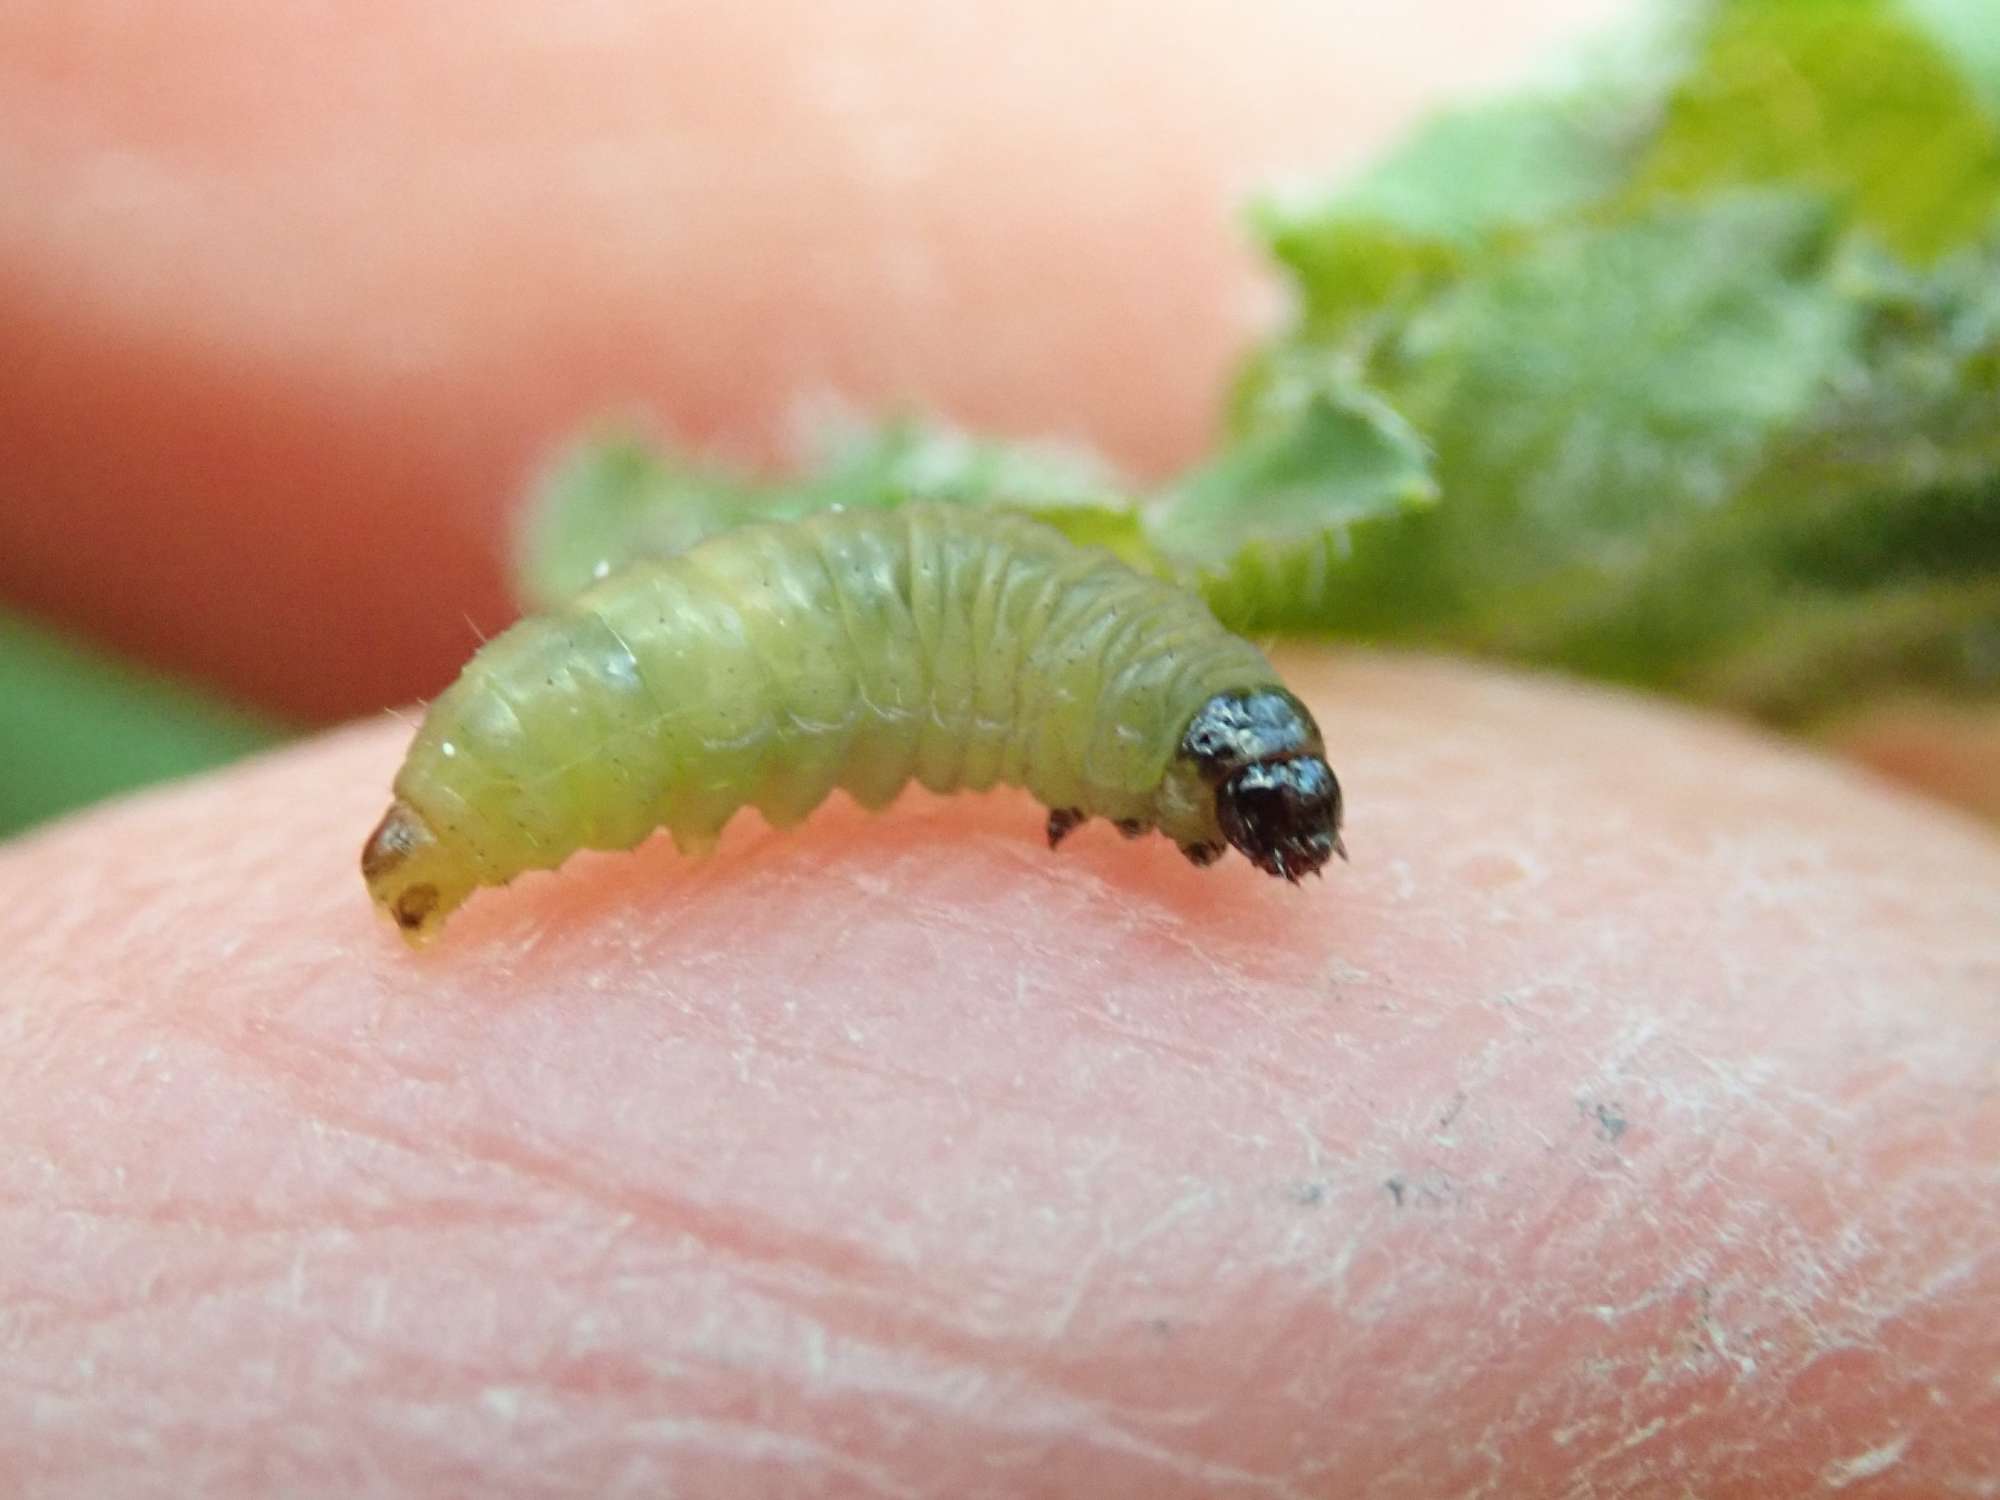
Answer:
(771, 664)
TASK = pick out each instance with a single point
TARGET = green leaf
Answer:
(1261, 529)
(1349, 269)
(1848, 97)
(1890, 491)
(1919, 405)
(612, 497)
(1967, 32)
(1747, 574)
(1591, 391)
(1867, 474)
(1508, 164)
(1830, 650)
(1437, 201)
(77, 725)
(906, 459)
(1266, 526)
(910, 459)
(616, 497)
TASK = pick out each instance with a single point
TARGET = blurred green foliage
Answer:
(77, 725)
(1752, 326)
(1685, 371)
(616, 496)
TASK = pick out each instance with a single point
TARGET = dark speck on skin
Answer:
(1430, 1188)
(1309, 1194)
(1611, 1123)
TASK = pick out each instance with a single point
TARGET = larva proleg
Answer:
(860, 650)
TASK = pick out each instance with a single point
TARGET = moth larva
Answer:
(861, 650)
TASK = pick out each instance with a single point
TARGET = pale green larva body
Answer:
(770, 666)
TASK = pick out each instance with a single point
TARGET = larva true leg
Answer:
(1200, 855)
(1063, 821)
(1133, 828)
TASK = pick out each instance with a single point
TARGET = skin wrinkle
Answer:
(1187, 1222)
(515, 1160)
(1112, 1434)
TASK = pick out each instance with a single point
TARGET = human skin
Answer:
(1625, 1120)
(1950, 752)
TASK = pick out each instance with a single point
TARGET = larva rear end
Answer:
(411, 875)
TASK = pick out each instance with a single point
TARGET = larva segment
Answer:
(772, 665)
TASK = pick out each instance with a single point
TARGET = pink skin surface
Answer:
(1950, 752)
(1625, 1120)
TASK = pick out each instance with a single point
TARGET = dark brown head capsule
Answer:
(1276, 799)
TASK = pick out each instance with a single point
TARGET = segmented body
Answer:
(771, 665)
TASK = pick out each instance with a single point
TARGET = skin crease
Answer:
(1626, 1119)
(1623, 1121)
